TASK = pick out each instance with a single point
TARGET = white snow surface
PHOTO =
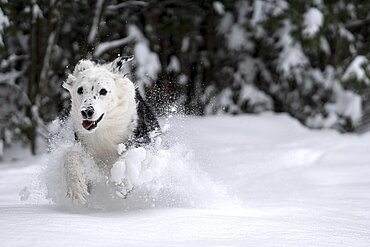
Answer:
(252, 180)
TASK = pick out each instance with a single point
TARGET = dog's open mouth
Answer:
(90, 125)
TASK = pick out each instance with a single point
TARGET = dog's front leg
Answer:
(77, 188)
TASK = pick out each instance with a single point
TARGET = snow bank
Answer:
(295, 185)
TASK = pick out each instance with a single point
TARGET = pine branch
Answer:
(357, 24)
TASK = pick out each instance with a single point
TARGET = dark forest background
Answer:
(307, 58)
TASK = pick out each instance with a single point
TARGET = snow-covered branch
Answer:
(45, 66)
(127, 4)
(8, 78)
(4, 22)
(357, 24)
(96, 20)
(106, 46)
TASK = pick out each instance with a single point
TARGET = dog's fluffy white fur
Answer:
(115, 116)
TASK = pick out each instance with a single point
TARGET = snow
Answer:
(292, 55)
(185, 43)
(4, 22)
(347, 104)
(9, 77)
(258, 12)
(1, 149)
(246, 73)
(223, 102)
(234, 31)
(95, 24)
(129, 167)
(45, 67)
(324, 45)
(248, 98)
(174, 65)
(149, 64)
(116, 7)
(219, 7)
(237, 37)
(313, 20)
(256, 98)
(262, 9)
(108, 45)
(344, 105)
(36, 12)
(343, 32)
(225, 24)
(121, 148)
(252, 180)
(357, 70)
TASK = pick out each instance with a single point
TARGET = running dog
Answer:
(107, 110)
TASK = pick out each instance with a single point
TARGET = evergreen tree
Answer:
(309, 59)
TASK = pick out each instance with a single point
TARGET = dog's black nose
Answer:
(87, 112)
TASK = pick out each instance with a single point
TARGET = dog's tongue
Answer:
(87, 124)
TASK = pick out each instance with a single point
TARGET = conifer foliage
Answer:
(307, 58)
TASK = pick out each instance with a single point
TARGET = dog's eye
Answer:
(103, 92)
(80, 90)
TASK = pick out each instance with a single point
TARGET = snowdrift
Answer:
(237, 181)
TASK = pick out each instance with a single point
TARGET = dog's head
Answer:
(96, 90)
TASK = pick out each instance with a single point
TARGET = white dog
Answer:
(106, 111)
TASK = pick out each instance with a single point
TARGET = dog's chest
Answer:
(103, 145)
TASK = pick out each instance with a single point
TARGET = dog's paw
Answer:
(77, 191)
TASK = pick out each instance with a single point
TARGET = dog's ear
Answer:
(83, 65)
(117, 65)
(68, 84)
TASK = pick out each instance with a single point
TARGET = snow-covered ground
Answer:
(250, 181)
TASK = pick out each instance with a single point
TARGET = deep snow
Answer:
(250, 181)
